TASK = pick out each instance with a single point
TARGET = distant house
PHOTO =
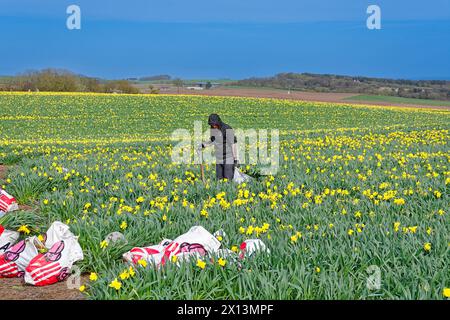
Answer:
(195, 88)
(202, 85)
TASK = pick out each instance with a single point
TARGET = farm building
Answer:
(203, 85)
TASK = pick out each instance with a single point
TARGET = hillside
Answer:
(422, 89)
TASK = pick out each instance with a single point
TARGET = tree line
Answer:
(423, 89)
(64, 81)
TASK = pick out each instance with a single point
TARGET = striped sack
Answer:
(7, 202)
(7, 239)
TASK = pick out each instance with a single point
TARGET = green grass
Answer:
(392, 99)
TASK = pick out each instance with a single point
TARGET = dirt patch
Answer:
(3, 171)
(293, 95)
(25, 207)
(277, 94)
(16, 289)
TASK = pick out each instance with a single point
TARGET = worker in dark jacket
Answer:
(224, 141)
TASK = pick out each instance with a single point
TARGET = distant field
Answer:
(413, 101)
(264, 92)
(186, 82)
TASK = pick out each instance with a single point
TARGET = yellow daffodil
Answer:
(142, 262)
(131, 271)
(124, 275)
(201, 264)
(446, 292)
(222, 262)
(103, 244)
(115, 284)
(24, 229)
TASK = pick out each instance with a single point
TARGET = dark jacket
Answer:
(223, 139)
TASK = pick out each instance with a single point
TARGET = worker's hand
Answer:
(236, 163)
(200, 147)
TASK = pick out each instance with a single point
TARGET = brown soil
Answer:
(294, 95)
(3, 171)
(25, 207)
(16, 289)
(273, 93)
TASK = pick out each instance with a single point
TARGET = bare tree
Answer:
(178, 83)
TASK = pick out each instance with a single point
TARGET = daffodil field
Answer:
(361, 192)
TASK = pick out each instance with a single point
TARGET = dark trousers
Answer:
(225, 171)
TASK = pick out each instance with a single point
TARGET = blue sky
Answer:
(227, 38)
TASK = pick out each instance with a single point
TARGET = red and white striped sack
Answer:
(7, 239)
(7, 202)
(24, 260)
(196, 242)
(14, 260)
(152, 254)
(54, 265)
(251, 246)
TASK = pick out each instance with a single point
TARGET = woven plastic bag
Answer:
(7, 202)
(54, 265)
(194, 243)
(7, 239)
(252, 246)
(240, 177)
(14, 260)
(152, 254)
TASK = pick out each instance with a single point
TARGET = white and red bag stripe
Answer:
(55, 265)
(151, 254)
(197, 241)
(14, 261)
(7, 202)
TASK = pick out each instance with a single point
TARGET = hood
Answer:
(214, 119)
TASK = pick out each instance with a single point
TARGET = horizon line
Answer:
(172, 77)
